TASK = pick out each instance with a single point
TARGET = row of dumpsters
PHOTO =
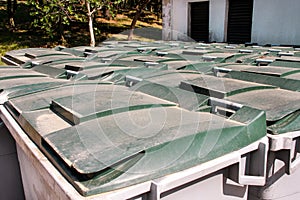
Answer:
(150, 120)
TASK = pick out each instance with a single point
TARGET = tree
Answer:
(90, 20)
(140, 6)
(52, 16)
(94, 5)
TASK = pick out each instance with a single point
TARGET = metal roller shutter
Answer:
(200, 21)
(239, 21)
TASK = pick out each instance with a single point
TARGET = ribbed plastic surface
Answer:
(128, 112)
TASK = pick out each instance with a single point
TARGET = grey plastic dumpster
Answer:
(170, 78)
(145, 131)
(150, 147)
(285, 78)
(51, 60)
(19, 57)
(281, 106)
(37, 71)
(282, 112)
(293, 76)
(220, 87)
(283, 162)
(283, 168)
(286, 63)
(289, 59)
(266, 70)
(18, 78)
(149, 58)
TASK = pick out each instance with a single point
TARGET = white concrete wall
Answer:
(167, 19)
(218, 20)
(276, 22)
(180, 19)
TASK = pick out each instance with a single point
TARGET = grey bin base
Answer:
(279, 185)
(40, 178)
(35, 186)
(213, 186)
(10, 181)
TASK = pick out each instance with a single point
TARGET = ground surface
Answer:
(25, 36)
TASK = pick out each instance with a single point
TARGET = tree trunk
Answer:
(11, 9)
(133, 23)
(138, 13)
(61, 32)
(106, 13)
(90, 20)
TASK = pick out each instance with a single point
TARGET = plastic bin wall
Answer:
(10, 183)
(279, 184)
(283, 170)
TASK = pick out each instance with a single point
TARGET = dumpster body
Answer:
(44, 181)
(113, 108)
(283, 169)
(128, 164)
(161, 120)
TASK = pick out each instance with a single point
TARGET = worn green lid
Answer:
(219, 87)
(277, 103)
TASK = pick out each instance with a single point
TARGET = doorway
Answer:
(239, 21)
(199, 21)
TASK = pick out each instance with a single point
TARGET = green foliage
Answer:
(76, 34)
(53, 16)
(154, 5)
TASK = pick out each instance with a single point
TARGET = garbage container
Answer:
(282, 111)
(283, 162)
(266, 70)
(283, 169)
(219, 87)
(152, 127)
(19, 57)
(150, 147)
(287, 61)
(285, 78)
(18, 78)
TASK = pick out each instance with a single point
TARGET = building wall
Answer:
(218, 20)
(274, 21)
(180, 17)
(167, 19)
